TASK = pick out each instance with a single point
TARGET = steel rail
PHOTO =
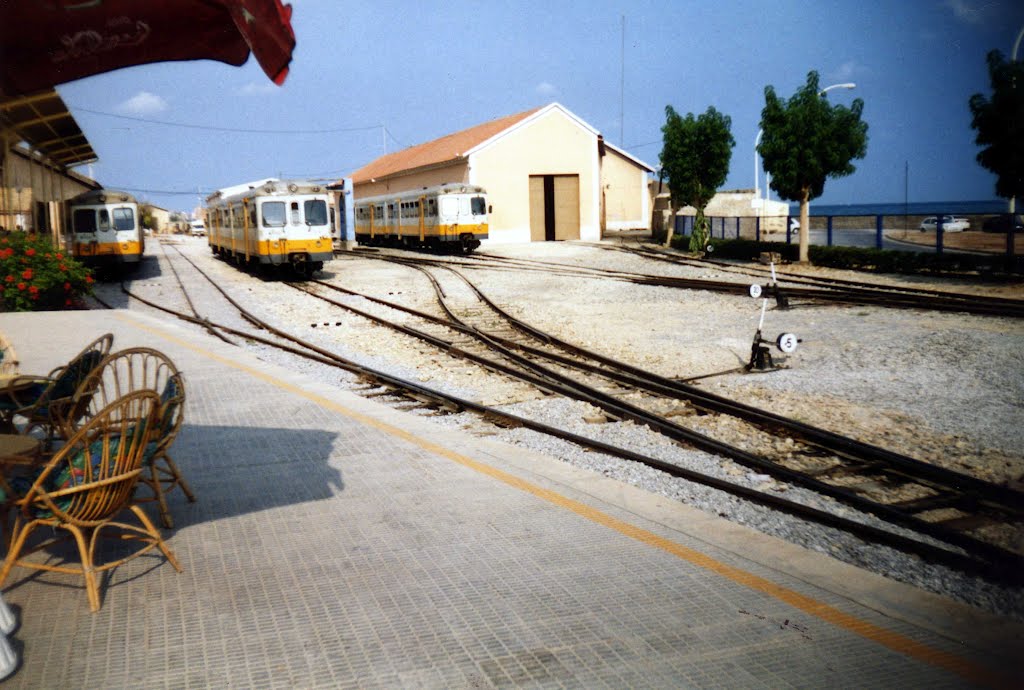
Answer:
(928, 551)
(623, 410)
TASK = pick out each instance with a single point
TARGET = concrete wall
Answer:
(552, 144)
(626, 200)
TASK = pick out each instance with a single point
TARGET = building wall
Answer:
(553, 144)
(626, 198)
(24, 183)
(457, 172)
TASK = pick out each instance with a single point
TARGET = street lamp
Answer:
(1012, 205)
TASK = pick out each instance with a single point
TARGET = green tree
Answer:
(806, 141)
(999, 123)
(695, 158)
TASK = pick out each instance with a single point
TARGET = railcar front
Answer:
(106, 229)
(277, 224)
(450, 216)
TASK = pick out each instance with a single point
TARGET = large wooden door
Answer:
(554, 207)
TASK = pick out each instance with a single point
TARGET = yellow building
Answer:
(548, 174)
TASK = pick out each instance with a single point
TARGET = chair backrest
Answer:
(53, 403)
(92, 477)
(127, 371)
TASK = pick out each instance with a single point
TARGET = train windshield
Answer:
(85, 220)
(315, 211)
(124, 219)
(479, 205)
(273, 214)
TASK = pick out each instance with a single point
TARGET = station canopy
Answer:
(43, 44)
(43, 122)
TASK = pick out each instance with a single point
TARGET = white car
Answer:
(197, 229)
(949, 223)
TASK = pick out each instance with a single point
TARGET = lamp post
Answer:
(1012, 205)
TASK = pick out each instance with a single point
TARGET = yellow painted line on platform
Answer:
(896, 642)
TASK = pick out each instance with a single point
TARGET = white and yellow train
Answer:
(106, 229)
(450, 216)
(277, 223)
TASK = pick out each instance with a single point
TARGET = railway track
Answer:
(830, 464)
(792, 288)
(943, 488)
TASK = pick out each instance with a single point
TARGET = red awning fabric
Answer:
(43, 44)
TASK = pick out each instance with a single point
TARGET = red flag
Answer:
(43, 44)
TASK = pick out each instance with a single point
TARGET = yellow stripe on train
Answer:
(107, 248)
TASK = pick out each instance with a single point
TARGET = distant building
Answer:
(726, 204)
(548, 174)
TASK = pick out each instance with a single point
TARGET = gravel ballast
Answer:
(941, 387)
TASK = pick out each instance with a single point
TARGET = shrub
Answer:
(34, 276)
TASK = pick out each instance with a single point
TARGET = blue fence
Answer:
(990, 234)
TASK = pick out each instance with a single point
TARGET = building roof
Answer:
(456, 147)
(446, 150)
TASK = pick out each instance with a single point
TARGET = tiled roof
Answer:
(438, 151)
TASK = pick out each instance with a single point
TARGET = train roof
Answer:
(102, 196)
(267, 188)
(446, 188)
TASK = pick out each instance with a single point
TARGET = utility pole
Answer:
(622, 87)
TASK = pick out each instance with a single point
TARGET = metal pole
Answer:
(622, 87)
(878, 232)
(1012, 205)
(829, 222)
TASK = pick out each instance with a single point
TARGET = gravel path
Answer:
(946, 388)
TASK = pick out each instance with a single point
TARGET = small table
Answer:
(16, 449)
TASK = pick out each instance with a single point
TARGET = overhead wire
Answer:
(214, 128)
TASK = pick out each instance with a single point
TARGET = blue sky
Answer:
(395, 74)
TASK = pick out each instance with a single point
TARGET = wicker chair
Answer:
(125, 371)
(45, 402)
(84, 487)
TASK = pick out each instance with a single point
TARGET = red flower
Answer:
(60, 257)
(30, 252)
(33, 290)
(47, 255)
(67, 303)
(9, 279)
(63, 268)
(89, 280)
(21, 286)
(27, 274)
(67, 286)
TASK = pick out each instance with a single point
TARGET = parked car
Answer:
(1001, 223)
(197, 229)
(949, 223)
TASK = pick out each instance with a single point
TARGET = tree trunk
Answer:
(671, 227)
(805, 227)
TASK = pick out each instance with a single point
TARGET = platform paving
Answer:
(339, 543)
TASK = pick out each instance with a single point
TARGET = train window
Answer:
(273, 214)
(431, 207)
(104, 219)
(449, 206)
(85, 220)
(293, 215)
(252, 215)
(315, 211)
(124, 219)
(479, 206)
